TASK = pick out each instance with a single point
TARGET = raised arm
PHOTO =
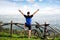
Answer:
(21, 12)
(35, 11)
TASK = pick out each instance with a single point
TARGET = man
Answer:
(28, 20)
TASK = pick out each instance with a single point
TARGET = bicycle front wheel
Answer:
(50, 35)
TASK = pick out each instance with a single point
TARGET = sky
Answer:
(46, 7)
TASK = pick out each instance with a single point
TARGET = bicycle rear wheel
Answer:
(35, 33)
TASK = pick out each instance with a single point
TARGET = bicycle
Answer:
(40, 31)
(43, 32)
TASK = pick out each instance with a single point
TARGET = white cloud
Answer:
(47, 10)
(27, 8)
(11, 8)
(54, 1)
(7, 8)
(31, 1)
(40, 0)
(18, 0)
(36, 5)
(50, 11)
(7, 3)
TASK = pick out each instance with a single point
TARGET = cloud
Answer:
(40, 0)
(36, 5)
(54, 1)
(31, 1)
(50, 11)
(18, 0)
(8, 8)
(27, 8)
(7, 3)
(8, 11)
(11, 8)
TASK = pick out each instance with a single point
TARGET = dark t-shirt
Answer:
(28, 19)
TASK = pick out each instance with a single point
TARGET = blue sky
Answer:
(40, 2)
(47, 7)
(27, 2)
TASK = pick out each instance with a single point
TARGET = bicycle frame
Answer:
(44, 31)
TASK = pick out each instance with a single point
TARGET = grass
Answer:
(9, 38)
(6, 36)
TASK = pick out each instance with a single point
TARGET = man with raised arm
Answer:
(28, 18)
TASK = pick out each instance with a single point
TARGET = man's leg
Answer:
(25, 26)
(29, 33)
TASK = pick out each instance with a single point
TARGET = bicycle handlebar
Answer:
(39, 25)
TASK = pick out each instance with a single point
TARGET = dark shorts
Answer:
(29, 26)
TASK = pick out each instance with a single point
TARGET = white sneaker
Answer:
(26, 28)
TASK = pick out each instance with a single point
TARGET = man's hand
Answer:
(35, 11)
(21, 12)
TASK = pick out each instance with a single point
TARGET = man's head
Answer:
(28, 13)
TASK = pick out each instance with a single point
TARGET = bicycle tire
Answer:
(35, 33)
(51, 35)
